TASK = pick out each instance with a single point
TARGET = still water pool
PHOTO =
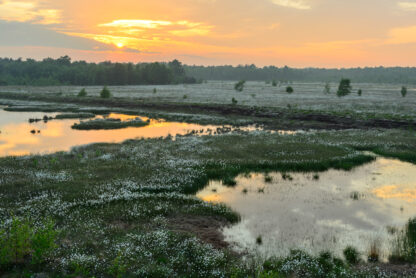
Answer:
(303, 211)
(57, 135)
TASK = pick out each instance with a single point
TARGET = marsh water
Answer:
(16, 137)
(303, 211)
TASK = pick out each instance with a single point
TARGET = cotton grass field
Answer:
(376, 98)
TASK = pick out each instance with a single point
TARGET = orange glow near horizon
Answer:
(265, 32)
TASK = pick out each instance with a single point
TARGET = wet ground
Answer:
(316, 212)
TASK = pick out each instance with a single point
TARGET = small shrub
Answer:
(185, 96)
(274, 83)
(404, 91)
(360, 92)
(245, 191)
(23, 240)
(82, 93)
(154, 90)
(239, 86)
(118, 269)
(234, 101)
(105, 93)
(327, 89)
(19, 240)
(352, 256)
(43, 242)
(259, 240)
(268, 179)
(344, 87)
(289, 90)
(316, 177)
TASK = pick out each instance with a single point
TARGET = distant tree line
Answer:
(63, 71)
(395, 75)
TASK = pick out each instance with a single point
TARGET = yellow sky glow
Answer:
(322, 33)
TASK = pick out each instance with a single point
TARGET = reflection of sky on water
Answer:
(320, 214)
(57, 135)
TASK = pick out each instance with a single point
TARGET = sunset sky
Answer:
(297, 33)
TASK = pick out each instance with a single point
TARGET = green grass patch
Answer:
(108, 124)
(74, 116)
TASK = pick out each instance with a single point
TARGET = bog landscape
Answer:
(131, 168)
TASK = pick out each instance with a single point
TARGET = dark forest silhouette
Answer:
(63, 71)
(395, 75)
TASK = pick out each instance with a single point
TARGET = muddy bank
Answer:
(206, 228)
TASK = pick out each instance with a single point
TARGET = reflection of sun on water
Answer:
(16, 137)
(213, 198)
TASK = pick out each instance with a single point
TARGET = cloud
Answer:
(145, 35)
(136, 23)
(163, 28)
(407, 6)
(295, 4)
(28, 12)
(29, 34)
(133, 44)
(403, 35)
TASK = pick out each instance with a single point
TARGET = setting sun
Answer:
(120, 45)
